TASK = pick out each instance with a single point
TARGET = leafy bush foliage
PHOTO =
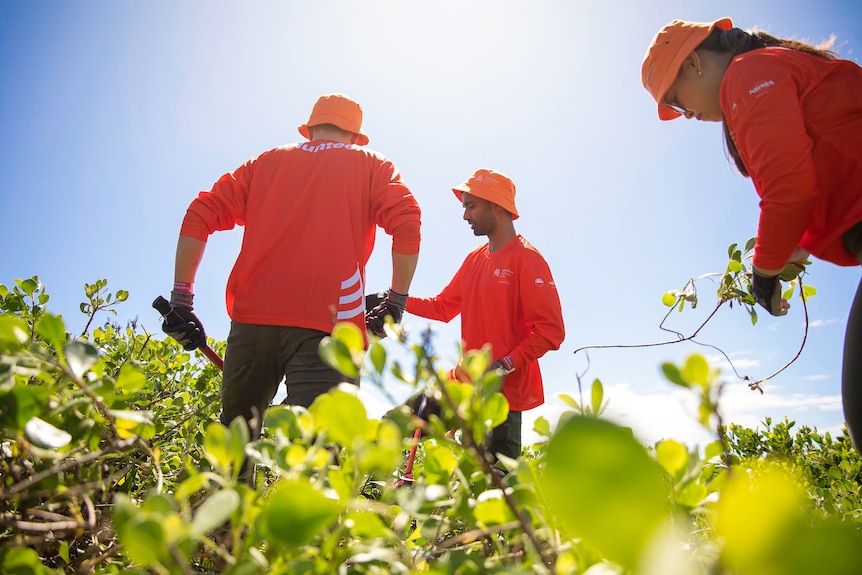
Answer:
(113, 461)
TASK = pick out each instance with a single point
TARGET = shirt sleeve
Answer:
(443, 307)
(395, 209)
(222, 208)
(762, 106)
(543, 315)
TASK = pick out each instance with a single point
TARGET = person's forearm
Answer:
(403, 268)
(190, 251)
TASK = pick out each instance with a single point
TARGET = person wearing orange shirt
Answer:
(507, 298)
(792, 116)
(310, 213)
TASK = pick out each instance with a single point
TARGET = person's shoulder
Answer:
(372, 153)
(528, 252)
(772, 59)
(526, 245)
(278, 150)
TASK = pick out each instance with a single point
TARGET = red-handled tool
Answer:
(407, 477)
(163, 306)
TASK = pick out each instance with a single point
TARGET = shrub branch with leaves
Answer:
(113, 460)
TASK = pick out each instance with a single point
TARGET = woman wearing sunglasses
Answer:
(792, 116)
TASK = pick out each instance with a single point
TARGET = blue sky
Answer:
(114, 115)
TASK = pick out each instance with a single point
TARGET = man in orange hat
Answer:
(507, 299)
(310, 213)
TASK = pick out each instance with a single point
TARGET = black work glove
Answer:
(183, 325)
(373, 300)
(767, 292)
(503, 366)
(392, 306)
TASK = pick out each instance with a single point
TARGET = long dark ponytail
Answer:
(738, 41)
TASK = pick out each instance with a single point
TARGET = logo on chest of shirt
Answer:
(503, 275)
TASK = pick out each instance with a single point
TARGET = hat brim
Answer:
(486, 195)
(361, 138)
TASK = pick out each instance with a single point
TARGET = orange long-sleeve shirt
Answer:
(508, 299)
(310, 213)
(797, 122)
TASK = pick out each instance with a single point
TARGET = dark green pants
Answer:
(259, 357)
(851, 371)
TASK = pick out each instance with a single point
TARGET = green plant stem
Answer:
(481, 455)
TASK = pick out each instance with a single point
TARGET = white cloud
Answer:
(672, 413)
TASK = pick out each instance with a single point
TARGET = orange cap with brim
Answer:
(665, 56)
(339, 110)
(492, 186)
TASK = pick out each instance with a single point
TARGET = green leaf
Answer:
(336, 354)
(789, 273)
(238, 439)
(605, 488)
(672, 373)
(696, 370)
(22, 561)
(130, 380)
(342, 415)
(133, 422)
(159, 503)
(217, 446)
(734, 266)
(570, 401)
(495, 410)
(43, 434)
(749, 245)
(378, 356)
(297, 512)
(808, 291)
(28, 286)
(14, 332)
(755, 514)
(143, 538)
(714, 449)
(21, 405)
(348, 333)
(542, 426)
(440, 463)
(673, 456)
(283, 418)
(491, 508)
(51, 329)
(367, 525)
(692, 494)
(80, 356)
(215, 511)
(598, 393)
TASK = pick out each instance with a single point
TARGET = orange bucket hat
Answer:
(339, 110)
(665, 55)
(492, 186)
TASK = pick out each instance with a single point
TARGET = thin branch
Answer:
(754, 385)
(16, 488)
